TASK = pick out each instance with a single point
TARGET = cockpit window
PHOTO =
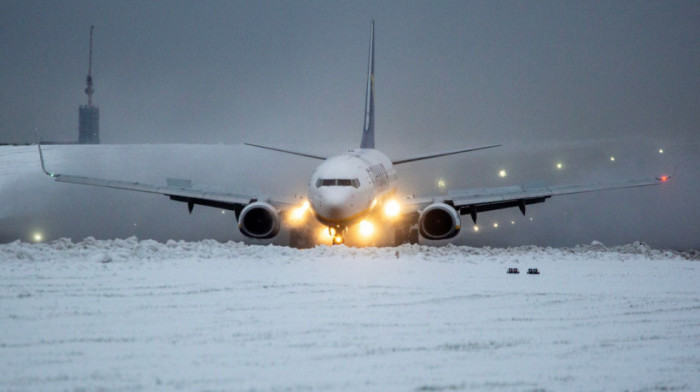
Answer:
(337, 182)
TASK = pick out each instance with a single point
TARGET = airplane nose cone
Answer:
(333, 204)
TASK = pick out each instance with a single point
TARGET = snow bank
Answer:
(134, 249)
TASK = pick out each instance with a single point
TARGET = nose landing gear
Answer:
(338, 234)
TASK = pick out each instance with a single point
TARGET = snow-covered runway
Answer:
(129, 315)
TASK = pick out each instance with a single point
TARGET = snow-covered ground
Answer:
(129, 315)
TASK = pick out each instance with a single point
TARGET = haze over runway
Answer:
(555, 83)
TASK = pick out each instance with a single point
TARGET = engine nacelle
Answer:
(259, 220)
(439, 221)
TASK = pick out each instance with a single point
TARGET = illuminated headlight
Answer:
(366, 228)
(392, 209)
(299, 213)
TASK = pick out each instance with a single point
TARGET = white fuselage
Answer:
(346, 188)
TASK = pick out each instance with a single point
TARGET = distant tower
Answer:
(89, 115)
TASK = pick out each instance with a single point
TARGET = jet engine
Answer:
(439, 221)
(259, 220)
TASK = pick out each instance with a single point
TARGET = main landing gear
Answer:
(407, 235)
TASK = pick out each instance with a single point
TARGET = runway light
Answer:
(37, 237)
(392, 208)
(366, 228)
(502, 173)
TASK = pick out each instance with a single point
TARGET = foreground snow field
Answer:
(130, 315)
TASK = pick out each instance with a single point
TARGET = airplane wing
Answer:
(177, 189)
(473, 201)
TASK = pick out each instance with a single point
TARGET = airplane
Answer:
(356, 188)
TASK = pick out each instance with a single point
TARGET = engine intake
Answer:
(439, 221)
(259, 220)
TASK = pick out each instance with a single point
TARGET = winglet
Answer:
(665, 178)
(368, 129)
(41, 157)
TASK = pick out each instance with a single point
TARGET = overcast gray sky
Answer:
(229, 71)
(538, 77)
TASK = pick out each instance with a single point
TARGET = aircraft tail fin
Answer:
(368, 129)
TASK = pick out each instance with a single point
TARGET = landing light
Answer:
(37, 237)
(392, 208)
(560, 165)
(495, 225)
(298, 213)
(332, 231)
(476, 229)
(441, 183)
(323, 237)
(612, 159)
(661, 150)
(502, 173)
(366, 228)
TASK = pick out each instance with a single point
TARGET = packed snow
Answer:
(131, 315)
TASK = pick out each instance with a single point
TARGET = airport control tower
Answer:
(89, 115)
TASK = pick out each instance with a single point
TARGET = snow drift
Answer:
(130, 315)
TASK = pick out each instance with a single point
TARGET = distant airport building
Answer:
(89, 115)
(89, 124)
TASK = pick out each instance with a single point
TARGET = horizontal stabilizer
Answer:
(441, 154)
(301, 154)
